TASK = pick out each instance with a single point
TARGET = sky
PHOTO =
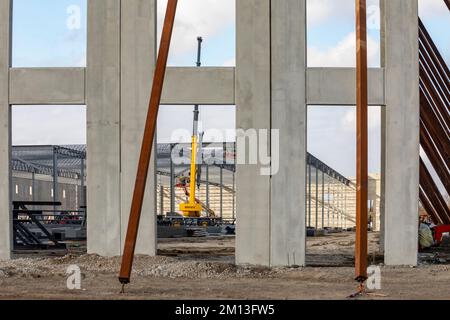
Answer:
(48, 33)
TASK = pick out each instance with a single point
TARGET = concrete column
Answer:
(103, 127)
(308, 209)
(138, 59)
(121, 58)
(82, 183)
(172, 182)
(401, 61)
(329, 203)
(5, 131)
(316, 223)
(221, 192)
(253, 112)
(55, 178)
(270, 94)
(207, 185)
(383, 179)
(382, 140)
(323, 200)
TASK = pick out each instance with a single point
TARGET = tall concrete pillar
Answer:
(121, 58)
(401, 62)
(383, 177)
(138, 59)
(253, 112)
(270, 94)
(5, 131)
(289, 110)
(103, 127)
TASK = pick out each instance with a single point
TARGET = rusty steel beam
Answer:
(431, 46)
(361, 142)
(434, 127)
(435, 99)
(441, 204)
(432, 191)
(434, 73)
(429, 207)
(147, 144)
(427, 144)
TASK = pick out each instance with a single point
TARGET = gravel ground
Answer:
(204, 269)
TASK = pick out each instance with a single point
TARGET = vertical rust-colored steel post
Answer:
(361, 143)
(147, 144)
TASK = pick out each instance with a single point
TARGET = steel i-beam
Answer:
(147, 144)
(362, 142)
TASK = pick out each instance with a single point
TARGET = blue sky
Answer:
(41, 38)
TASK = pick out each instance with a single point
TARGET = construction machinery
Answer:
(193, 208)
(438, 233)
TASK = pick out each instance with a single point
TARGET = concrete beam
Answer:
(206, 86)
(289, 109)
(401, 62)
(103, 127)
(253, 100)
(337, 86)
(138, 58)
(5, 131)
(47, 86)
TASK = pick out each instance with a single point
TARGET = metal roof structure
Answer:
(40, 159)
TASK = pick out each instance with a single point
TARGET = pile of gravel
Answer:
(162, 267)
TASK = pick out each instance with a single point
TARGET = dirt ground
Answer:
(203, 268)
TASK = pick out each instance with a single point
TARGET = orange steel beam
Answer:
(434, 98)
(361, 143)
(433, 193)
(426, 142)
(147, 144)
(435, 128)
(431, 46)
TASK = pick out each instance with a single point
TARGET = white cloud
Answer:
(432, 9)
(197, 18)
(348, 121)
(343, 54)
(230, 63)
(48, 125)
(320, 11)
